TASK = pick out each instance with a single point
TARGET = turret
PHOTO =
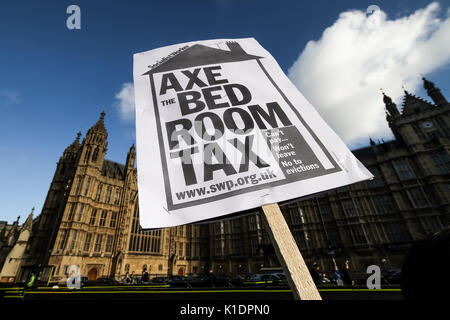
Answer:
(391, 107)
(131, 158)
(95, 144)
(434, 93)
(69, 157)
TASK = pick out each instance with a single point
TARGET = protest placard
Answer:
(221, 129)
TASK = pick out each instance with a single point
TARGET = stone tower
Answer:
(15, 257)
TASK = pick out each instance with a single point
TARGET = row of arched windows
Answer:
(143, 241)
(108, 196)
(88, 154)
(149, 268)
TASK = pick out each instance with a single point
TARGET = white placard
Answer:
(221, 129)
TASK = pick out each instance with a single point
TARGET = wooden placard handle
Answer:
(289, 255)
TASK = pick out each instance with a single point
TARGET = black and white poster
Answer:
(221, 129)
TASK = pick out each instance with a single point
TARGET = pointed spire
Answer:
(413, 104)
(391, 107)
(428, 85)
(386, 99)
(99, 126)
(73, 148)
(29, 222)
(131, 156)
(406, 92)
(77, 139)
(434, 93)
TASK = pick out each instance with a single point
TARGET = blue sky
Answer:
(55, 82)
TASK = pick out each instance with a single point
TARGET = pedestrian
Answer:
(325, 278)
(30, 283)
(230, 280)
(346, 275)
(134, 279)
(127, 279)
(337, 277)
(212, 279)
(145, 277)
(315, 274)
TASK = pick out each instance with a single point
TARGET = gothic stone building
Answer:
(13, 243)
(90, 217)
(374, 222)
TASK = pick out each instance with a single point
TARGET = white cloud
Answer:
(341, 74)
(125, 101)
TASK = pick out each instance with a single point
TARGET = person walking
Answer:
(30, 283)
(212, 279)
(346, 275)
(145, 277)
(134, 279)
(230, 280)
(127, 279)
(337, 277)
(315, 274)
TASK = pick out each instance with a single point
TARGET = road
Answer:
(161, 292)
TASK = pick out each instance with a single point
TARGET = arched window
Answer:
(108, 195)
(99, 192)
(117, 196)
(95, 155)
(88, 184)
(160, 267)
(87, 154)
(78, 188)
(127, 268)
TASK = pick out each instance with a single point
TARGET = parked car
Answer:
(263, 279)
(393, 277)
(199, 281)
(178, 281)
(84, 281)
(104, 281)
(240, 279)
(160, 280)
(222, 280)
(282, 280)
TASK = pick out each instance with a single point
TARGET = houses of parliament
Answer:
(90, 217)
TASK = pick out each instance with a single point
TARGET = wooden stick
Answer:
(289, 255)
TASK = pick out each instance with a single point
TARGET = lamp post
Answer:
(170, 256)
(330, 247)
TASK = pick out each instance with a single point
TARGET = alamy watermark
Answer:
(73, 277)
(73, 21)
(373, 13)
(374, 280)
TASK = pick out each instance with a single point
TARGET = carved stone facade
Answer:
(374, 222)
(13, 244)
(90, 217)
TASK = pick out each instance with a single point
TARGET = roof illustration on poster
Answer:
(199, 55)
